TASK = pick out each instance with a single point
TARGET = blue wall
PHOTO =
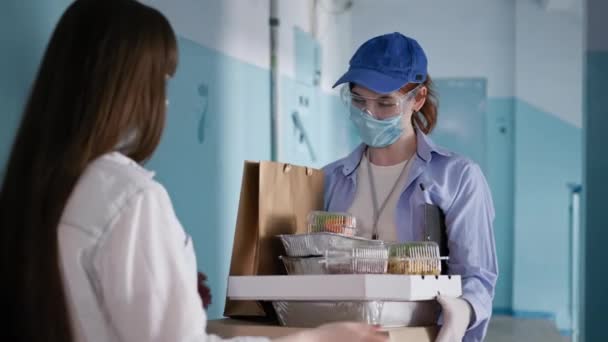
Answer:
(547, 158)
(500, 156)
(25, 27)
(461, 125)
(208, 136)
(323, 116)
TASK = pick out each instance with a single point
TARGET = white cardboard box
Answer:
(347, 287)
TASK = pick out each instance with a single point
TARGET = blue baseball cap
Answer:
(386, 63)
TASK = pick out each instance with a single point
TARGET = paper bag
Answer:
(275, 199)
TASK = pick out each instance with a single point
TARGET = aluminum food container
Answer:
(317, 244)
(338, 223)
(385, 314)
(414, 258)
(363, 260)
(360, 260)
(304, 265)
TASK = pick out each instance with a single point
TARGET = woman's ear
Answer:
(420, 98)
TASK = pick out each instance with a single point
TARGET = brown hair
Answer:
(102, 78)
(426, 118)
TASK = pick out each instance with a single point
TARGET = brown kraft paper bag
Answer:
(276, 198)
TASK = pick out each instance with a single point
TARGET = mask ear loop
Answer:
(412, 95)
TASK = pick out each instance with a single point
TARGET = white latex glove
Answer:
(457, 314)
(337, 332)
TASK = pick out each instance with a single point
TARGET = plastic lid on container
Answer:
(427, 249)
(334, 222)
(415, 258)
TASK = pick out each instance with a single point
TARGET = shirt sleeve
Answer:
(147, 274)
(469, 221)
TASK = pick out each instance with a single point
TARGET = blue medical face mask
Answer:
(385, 128)
(374, 132)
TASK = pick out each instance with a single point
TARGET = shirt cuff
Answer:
(480, 309)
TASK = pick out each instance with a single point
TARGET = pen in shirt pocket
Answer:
(425, 193)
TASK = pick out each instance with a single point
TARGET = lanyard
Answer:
(378, 211)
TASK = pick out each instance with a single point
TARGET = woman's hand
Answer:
(457, 314)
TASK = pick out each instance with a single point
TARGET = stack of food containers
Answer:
(332, 247)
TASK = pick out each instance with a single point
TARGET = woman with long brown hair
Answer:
(91, 249)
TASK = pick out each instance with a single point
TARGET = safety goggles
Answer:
(379, 107)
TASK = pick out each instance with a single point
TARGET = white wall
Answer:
(240, 29)
(465, 38)
(332, 32)
(236, 28)
(292, 14)
(549, 59)
(334, 35)
(522, 48)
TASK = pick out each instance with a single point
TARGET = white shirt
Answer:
(362, 208)
(128, 265)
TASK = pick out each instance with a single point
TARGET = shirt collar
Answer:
(120, 158)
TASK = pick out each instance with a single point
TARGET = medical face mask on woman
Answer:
(383, 128)
(374, 132)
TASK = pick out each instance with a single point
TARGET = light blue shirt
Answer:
(458, 186)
